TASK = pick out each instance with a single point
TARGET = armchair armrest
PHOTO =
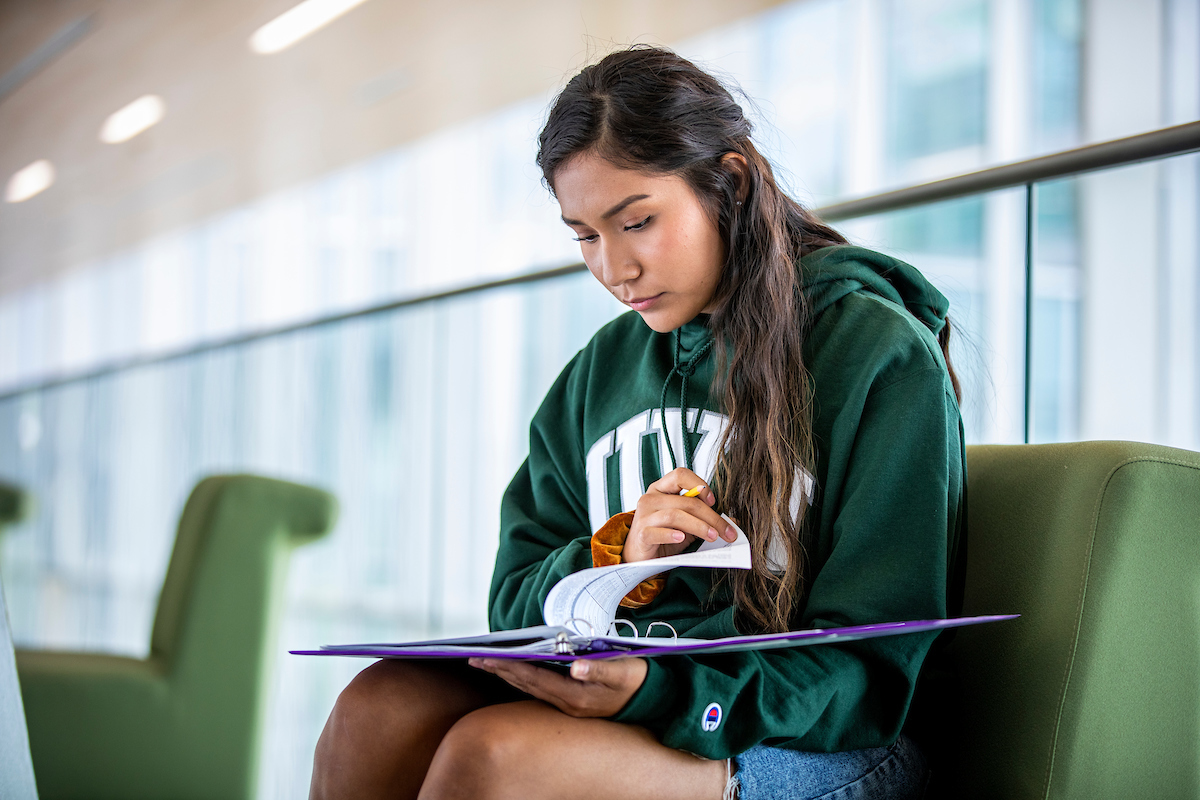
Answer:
(186, 722)
(1092, 693)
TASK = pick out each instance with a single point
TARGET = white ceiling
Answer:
(240, 125)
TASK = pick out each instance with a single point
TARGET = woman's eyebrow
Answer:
(617, 209)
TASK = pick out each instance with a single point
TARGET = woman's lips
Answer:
(643, 303)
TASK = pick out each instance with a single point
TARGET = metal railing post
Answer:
(1030, 238)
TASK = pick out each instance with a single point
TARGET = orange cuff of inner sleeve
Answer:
(607, 545)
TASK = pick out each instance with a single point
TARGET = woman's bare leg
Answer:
(529, 749)
(387, 725)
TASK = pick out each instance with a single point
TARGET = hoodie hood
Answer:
(831, 273)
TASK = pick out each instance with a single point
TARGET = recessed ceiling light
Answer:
(297, 22)
(128, 122)
(29, 181)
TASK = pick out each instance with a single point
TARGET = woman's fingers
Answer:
(616, 673)
(665, 493)
(682, 480)
(658, 536)
(591, 691)
(692, 516)
(692, 520)
(664, 531)
(675, 507)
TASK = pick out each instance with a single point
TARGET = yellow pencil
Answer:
(694, 491)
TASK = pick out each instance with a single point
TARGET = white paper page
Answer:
(543, 646)
(537, 633)
(586, 601)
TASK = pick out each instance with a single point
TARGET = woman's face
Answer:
(645, 237)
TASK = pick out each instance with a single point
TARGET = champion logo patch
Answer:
(712, 718)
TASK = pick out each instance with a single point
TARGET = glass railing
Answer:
(1076, 297)
(1075, 284)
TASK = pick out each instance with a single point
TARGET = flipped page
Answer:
(581, 606)
(586, 602)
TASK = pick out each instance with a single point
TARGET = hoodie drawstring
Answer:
(686, 371)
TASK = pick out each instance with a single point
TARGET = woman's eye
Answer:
(589, 238)
(638, 226)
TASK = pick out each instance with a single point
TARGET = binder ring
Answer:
(591, 628)
(562, 644)
(615, 622)
(667, 625)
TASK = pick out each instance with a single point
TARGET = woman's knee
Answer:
(386, 725)
(366, 704)
(489, 752)
(359, 716)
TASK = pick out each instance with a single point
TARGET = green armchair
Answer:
(184, 722)
(1094, 692)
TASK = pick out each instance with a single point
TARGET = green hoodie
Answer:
(882, 538)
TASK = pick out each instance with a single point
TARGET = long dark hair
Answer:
(647, 108)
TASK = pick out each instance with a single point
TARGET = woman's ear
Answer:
(736, 163)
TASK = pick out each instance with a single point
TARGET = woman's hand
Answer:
(594, 689)
(665, 522)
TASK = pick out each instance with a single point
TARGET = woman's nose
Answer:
(617, 263)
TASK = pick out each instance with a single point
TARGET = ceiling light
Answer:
(134, 118)
(297, 22)
(27, 182)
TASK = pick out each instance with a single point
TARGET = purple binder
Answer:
(560, 644)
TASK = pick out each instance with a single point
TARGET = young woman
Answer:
(803, 383)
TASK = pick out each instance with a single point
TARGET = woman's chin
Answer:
(660, 323)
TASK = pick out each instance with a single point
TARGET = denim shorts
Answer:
(898, 772)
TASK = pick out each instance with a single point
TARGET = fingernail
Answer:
(710, 498)
(712, 534)
(677, 537)
(580, 669)
(730, 533)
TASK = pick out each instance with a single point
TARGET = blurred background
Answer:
(228, 249)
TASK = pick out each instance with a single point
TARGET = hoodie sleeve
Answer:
(544, 529)
(896, 513)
